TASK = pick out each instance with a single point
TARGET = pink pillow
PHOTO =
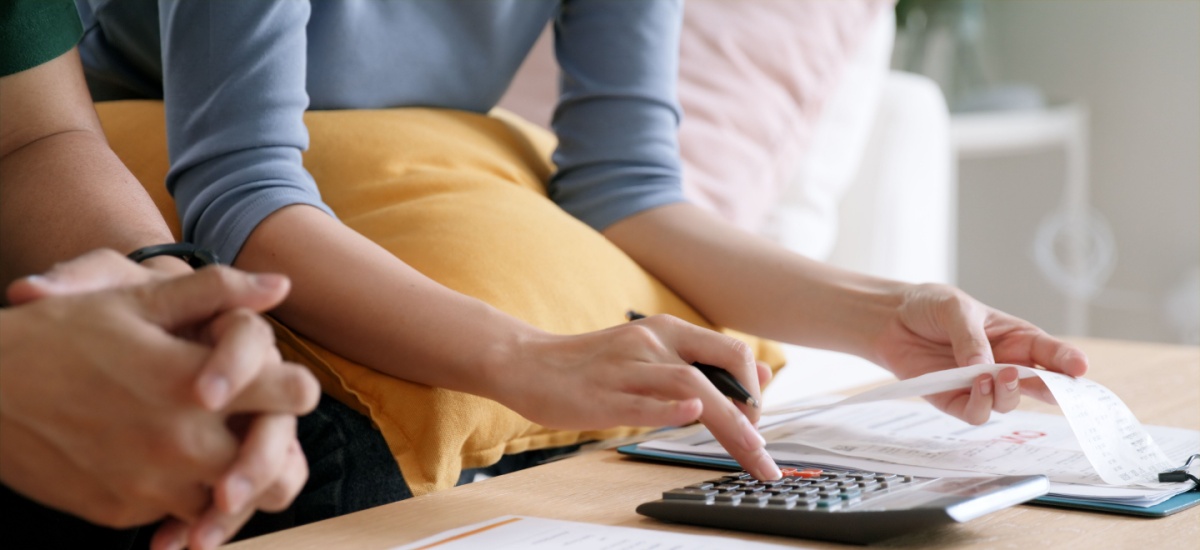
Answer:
(754, 75)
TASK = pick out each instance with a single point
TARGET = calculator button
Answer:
(756, 498)
(783, 500)
(703, 485)
(689, 494)
(731, 498)
(830, 503)
(809, 473)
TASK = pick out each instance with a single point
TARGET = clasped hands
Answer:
(130, 397)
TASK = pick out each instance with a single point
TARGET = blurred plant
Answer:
(904, 7)
(944, 40)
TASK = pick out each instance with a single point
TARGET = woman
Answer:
(236, 82)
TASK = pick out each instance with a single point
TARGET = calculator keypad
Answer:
(807, 488)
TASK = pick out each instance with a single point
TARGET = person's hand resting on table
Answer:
(130, 398)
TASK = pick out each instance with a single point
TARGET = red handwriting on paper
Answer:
(1021, 437)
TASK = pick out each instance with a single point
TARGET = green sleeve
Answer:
(33, 32)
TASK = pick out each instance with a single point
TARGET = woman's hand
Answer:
(939, 327)
(638, 374)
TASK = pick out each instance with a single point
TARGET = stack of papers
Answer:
(1096, 453)
(911, 437)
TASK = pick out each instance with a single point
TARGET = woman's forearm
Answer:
(361, 302)
(748, 283)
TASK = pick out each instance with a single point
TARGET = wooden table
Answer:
(1160, 383)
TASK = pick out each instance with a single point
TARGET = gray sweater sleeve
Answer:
(234, 77)
(617, 117)
(234, 89)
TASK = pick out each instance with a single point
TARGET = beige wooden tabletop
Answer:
(1160, 383)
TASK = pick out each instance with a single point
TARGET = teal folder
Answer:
(1177, 503)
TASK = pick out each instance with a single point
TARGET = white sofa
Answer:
(876, 194)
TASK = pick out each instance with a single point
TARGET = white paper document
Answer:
(1097, 451)
(548, 534)
(1118, 449)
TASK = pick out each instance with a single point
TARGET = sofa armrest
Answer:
(897, 218)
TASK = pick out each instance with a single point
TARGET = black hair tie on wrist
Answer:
(194, 256)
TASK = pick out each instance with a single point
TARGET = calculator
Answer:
(841, 505)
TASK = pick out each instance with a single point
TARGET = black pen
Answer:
(725, 382)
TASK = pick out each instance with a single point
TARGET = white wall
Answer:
(1136, 64)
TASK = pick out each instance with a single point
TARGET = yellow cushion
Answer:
(460, 197)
